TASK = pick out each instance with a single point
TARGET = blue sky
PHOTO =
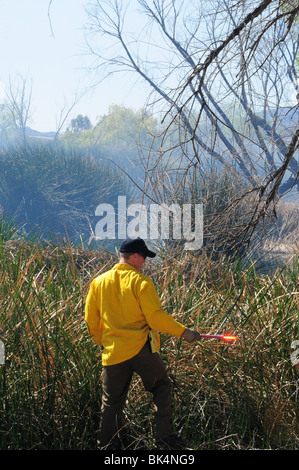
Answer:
(56, 63)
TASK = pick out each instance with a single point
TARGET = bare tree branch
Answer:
(49, 18)
(18, 102)
(224, 74)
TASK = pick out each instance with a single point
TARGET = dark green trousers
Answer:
(116, 381)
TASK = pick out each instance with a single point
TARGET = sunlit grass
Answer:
(238, 396)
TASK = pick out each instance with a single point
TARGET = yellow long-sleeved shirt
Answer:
(121, 306)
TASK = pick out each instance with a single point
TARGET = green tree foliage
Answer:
(120, 135)
(80, 123)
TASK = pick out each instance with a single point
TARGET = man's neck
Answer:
(124, 261)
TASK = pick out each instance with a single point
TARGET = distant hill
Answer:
(39, 135)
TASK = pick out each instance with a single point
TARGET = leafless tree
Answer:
(18, 105)
(223, 77)
(4, 124)
(64, 114)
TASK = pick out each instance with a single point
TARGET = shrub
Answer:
(56, 191)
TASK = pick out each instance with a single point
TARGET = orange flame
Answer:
(229, 338)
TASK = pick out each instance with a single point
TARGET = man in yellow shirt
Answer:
(121, 308)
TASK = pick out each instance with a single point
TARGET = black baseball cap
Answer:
(136, 245)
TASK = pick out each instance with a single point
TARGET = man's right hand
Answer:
(190, 335)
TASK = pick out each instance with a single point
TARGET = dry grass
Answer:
(238, 396)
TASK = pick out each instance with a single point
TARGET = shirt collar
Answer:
(124, 267)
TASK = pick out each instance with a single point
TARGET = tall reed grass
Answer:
(50, 189)
(238, 396)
